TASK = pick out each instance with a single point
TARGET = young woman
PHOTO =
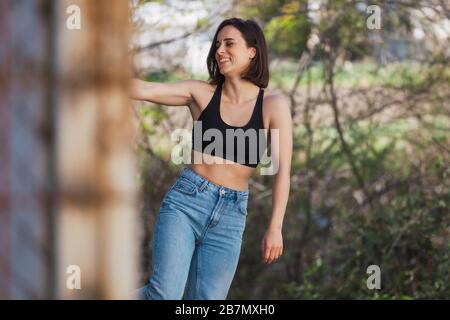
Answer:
(198, 233)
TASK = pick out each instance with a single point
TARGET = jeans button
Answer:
(222, 191)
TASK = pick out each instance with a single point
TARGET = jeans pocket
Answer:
(242, 206)
(185, 186)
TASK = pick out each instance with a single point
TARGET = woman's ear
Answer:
(252, 53)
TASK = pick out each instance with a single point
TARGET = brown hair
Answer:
(258, 70)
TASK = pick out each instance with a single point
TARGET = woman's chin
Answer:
(225, 71)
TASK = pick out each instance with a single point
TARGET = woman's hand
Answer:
(272, 245)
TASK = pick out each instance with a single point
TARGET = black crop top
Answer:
(244, 145)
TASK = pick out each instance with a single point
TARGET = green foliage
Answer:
(287, 34)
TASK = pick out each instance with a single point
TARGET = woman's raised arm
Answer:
(171, 94)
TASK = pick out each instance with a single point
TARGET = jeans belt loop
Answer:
(203, 185)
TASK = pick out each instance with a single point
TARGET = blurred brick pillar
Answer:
(96, 167)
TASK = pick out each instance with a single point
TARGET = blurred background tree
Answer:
(370, 172)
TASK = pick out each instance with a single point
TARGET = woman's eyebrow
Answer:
(224, 40)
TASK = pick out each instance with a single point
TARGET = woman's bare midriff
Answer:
(222, 172)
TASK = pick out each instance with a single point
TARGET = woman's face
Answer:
(232, 54)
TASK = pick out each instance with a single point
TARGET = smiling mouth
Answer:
(222, 62)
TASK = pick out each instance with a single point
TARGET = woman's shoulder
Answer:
(276, 108)
(274, 100)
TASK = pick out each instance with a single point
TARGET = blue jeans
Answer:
(197, 240)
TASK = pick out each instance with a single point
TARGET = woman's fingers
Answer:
(279, 252)
(271, 250)
(267, 254)
(272, 253)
